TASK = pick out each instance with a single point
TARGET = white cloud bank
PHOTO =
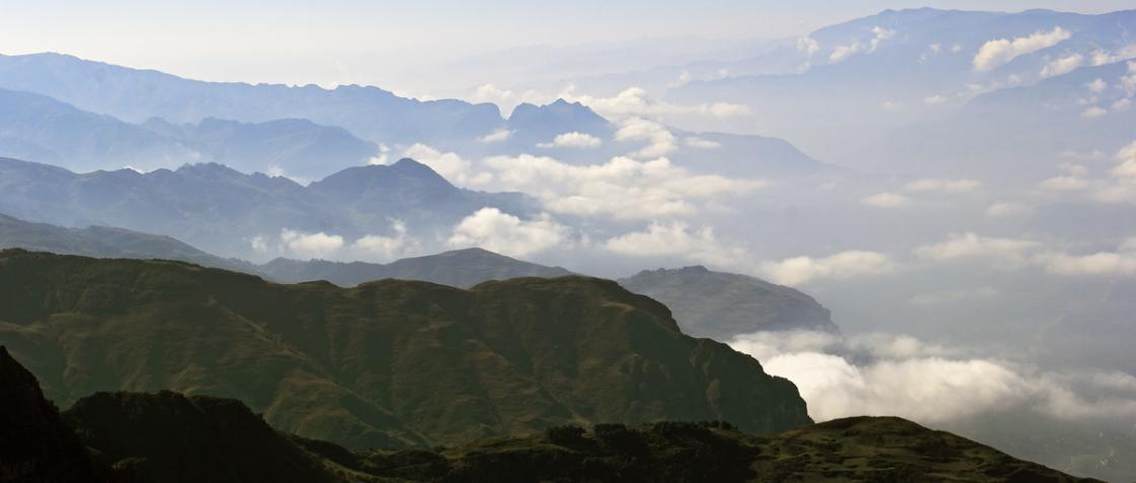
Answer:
(840, 53)
(324, 246)
(493, 230)
(898, 375)
(971, 246)
(943, 185)
(451, 166)
(498, 136)
(849, 264)
(996, 53)
(636, 102)
(576, 140)
(1062, 65)
(676, 239)
(622, 188)
(886, 200)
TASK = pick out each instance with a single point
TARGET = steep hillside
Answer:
(390, 363)
(168, 437)
(723, 305)
(35, 444)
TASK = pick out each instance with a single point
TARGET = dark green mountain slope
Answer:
(723, 305)
(458, 268)
(389, 363)
(167, 437)
(35, 444)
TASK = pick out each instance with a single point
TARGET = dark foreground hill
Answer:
(723, 305)
(386, 364)
(167, 437)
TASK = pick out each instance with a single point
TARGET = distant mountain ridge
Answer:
(106, 242)
(43, 129)
(137, 95)
(725, 305)
(901, 67)
(376, 116)
(221, 210)
(459, 268)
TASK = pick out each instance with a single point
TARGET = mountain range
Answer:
(458, 268)
(40, 128)
(705, 303)
(224, 211)
(915, 76)
(127, 437)
(309, 132)
(389, 363)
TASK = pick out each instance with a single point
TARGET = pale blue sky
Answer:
(299, 41)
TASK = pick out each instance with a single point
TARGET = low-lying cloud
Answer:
(843, 265)
(576, 140)
(622, 188)
(996, 53)
(491, 229)
(883, 374)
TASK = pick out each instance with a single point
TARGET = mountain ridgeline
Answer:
(54, 107)
(459, 268)
(168, 437)
(222, 211)
(723, 305)
(705, 303)
(385, 364)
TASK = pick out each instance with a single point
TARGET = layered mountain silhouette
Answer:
(723, 305)
(43, 129)
(294, 130)
(388, 364)
(705, 303)
(223, 211)
(169, 437)
(137, 95)
(916, 66)
(106, 242)
(459, 268)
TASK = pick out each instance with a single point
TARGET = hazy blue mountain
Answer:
(997, 134)
(44, 129)
(295, 147)
(900, 67)
(458, 268)
(222, 211)
(137, 95)
(534, 128)
(370, 113)
(723, 305)
(106, 242)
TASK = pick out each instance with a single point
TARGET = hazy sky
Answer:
(354, 41)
